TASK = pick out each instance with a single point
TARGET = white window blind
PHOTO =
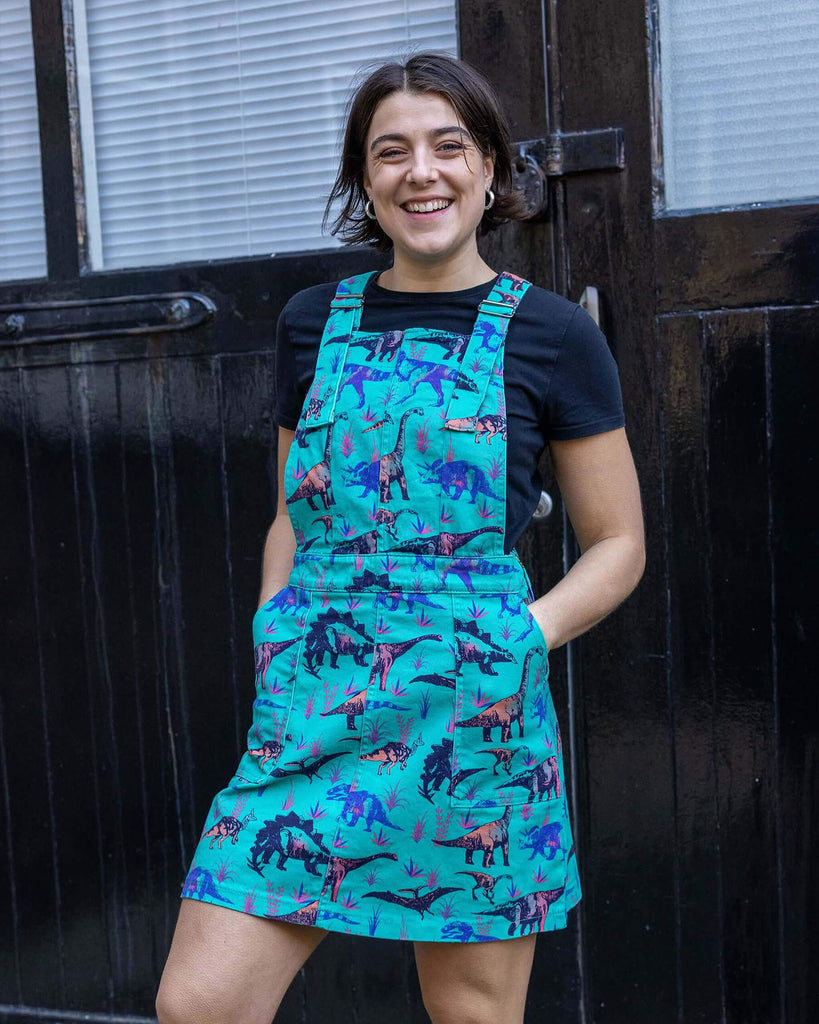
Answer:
(22, 223)
(740, 101)
(210, 127)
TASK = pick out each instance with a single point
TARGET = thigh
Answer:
(228, 966)
(475, 981)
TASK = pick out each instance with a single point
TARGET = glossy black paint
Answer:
(138, 482)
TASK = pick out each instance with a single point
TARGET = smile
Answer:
(428, 207)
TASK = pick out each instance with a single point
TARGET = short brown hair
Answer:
(476, 104)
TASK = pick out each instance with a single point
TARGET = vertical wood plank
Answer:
(697, 881)
(794, 424)
(744, 700)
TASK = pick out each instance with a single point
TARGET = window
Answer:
(210, 127)
(22, 221)
(740, 101)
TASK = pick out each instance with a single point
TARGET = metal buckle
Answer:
(504, 309)
(338, 301)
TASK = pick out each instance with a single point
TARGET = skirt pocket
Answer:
(502, 725)
(278, 639)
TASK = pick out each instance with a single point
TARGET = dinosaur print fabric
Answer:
(404, 773)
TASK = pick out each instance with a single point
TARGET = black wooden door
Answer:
(693, 709)
(138, 480)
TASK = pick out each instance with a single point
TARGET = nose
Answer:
(422, 167)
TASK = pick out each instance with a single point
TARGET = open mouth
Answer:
(431, 206)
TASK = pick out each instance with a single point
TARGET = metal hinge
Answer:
(536, 160)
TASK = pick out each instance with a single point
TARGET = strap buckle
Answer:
(341, 301)
(504, 308)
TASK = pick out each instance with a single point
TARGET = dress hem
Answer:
(402, 930)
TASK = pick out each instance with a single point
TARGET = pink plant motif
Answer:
(466, 821)
(317, 811)
(397, 688)
(337, 772)
(485, 510)
(512, 890)
(422, 441)
(450, 454)
(540, 876)
(404, 727)
(446, 516)
(478, 700)
(329, 695)
(339, 842)
(393, 796)
(526, 812)
(403, 932)
(348, 901)
(432, 878)
(495, 468)
(223, 871)
(271, 628)
(315, 747)
(483, 927)
(353, 602)
(347, 445)
(442, 823)
(298, 470)
(371, 877)
(375, 729)
(379, 838)
(412, 870)
(287, 803)
(419, 660)
(310, 704)
(301, 895)
(274, 895)
(447, 909)
(382, 629)
(423, 621)
(418, 828)
(250, 902)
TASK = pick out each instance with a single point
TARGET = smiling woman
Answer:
(403, 723)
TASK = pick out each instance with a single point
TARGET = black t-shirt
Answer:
(560, 379)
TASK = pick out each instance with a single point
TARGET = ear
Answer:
(489, 168)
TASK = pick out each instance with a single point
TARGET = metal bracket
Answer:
(536, 160)
(32, 323)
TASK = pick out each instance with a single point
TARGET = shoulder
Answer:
(310, 303)
(551, 311)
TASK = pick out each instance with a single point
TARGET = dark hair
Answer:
(476, 104)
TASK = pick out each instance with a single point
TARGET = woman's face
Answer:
(426, 177)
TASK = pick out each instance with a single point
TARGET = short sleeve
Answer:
(584, 396)
(287, 401)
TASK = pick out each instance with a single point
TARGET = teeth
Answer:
(434, 204)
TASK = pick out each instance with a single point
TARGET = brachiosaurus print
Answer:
(265, 652)
(392, 752)
(391, 465)
(317, 479)
(504, 711)
(385, 654)
(338, 867)
(486, 838)
(529, 911)
(352, 708)
(443, 543)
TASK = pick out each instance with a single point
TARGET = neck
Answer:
(447, 275)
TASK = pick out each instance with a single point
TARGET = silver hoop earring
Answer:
(489, 201)
(369, 209)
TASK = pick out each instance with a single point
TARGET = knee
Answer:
(468, 1007)
(177, 1004)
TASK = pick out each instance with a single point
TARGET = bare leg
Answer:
(226, 967)
(475, 982)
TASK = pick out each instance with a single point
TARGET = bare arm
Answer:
(599, 487)
(280, 545)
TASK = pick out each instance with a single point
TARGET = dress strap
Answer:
(480, 357)
(342, 323)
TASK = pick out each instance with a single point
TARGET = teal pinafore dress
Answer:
(404, 774)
